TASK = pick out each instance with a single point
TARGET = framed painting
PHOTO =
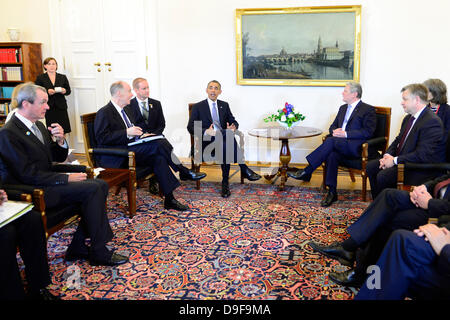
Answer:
(305, 46)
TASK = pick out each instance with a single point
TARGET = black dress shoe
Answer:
(174, 204)
(335, 251)
(347, 278)
(153, 185)
(329, 199)
(250, 175)
(72, 256)
(191, 175)
(115, 260)
(300, 175)
(43, 295)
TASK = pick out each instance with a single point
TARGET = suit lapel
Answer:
(355, 111)
(117, 117)
(207, 111)
(221, 114)
(29, 135)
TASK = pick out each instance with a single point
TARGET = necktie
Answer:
(124, 116)
(144, 110)
(439, 186)
(347, 116)
(215, 117)
(37, 133)
(404, 135)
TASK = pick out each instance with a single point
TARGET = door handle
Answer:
(98, 64)
(108, 64)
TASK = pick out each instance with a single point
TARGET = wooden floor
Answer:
(214, 174)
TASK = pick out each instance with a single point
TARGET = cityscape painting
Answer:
(309, 46)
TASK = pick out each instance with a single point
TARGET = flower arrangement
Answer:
(286, 116)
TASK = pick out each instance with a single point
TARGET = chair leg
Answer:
(242, 178)
(197, 169)
(352, 175)
(364, 188)
(131, 192)
(324, 176)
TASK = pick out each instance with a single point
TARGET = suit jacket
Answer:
(362, 122)
(425, 142)
(438, 207)
(25, 160)
(111, 132)
(201, 112)
(155, 123)
(360, 127)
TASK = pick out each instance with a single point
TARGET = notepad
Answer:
(146, 139)
(11, 210)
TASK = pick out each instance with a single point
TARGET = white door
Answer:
(102, 41)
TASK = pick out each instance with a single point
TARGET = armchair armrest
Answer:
(18, 195)
(401, 167)
(62, 167)
(116, 152)
(376, 141)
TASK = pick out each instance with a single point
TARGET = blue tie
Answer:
(215, 117)
(124, 116)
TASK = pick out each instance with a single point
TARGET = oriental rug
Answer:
(253, 245)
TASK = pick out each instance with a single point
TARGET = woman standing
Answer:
(57, 87)
(437, 96)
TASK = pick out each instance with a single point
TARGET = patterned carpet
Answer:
(250, 246)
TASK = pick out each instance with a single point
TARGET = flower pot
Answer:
(285, 125)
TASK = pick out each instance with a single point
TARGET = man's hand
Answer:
(232, 127)
(51, 91)
(57, 132)
(339, 133)
(77, 176)
(210, 131)
(3, 197)
(420, 196)
(134, 131)
(437, 237)
(387, 161)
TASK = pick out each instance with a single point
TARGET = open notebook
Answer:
(11, 210)
(146, 139)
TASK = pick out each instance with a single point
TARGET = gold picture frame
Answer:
(303, 46)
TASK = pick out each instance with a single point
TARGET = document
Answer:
(146, 139)
(11, 210)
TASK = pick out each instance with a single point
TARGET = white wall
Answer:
(192, 42)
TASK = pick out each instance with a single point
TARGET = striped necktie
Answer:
(37, 133)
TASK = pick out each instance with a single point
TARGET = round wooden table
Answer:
(284, 134)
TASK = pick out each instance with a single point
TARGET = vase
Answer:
(14, 34)
(285, 125)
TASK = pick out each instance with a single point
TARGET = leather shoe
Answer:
(335, 251)
(43, 295)
(329, 199)
(175, 204)
(347, 278)
(250, 175)
(300, 175)
(115, 260)
(71, 256)
(153, 186)
(225, 191)
(191, 175)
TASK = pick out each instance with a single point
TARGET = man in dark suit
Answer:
(413, 264)
(212, 123)
(421, 140)
(148, 115)
(27, 151)
(393, 209)
(354, 124)
(115, 128)
(27, 234)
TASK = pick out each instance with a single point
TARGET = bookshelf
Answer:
(19, 62)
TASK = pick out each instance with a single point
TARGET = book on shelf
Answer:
(11, 210)
(4, 109)
(10, 55)
(11, 74)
